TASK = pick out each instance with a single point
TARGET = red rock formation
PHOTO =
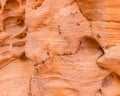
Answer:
(59, 48)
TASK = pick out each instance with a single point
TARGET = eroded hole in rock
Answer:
(37, 4)
(21, 35)
(4, 44)
(90, 46)
(23, 57)
(20, 22)
(11, 5)
(18, 48)
(13, 24)
(107, 80)
(19, 44)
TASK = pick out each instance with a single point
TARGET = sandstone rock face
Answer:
(59, 48)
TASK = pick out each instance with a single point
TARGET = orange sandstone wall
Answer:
(59, 48)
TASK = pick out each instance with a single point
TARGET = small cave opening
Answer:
(11, 24)
(89, 45)
(20, 22)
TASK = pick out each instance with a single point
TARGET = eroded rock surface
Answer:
(59, 48)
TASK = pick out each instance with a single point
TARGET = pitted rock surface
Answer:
(59, 48)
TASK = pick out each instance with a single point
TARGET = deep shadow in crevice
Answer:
(11, 4)
(91, 45)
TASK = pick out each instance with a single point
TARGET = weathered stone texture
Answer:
(59, 48)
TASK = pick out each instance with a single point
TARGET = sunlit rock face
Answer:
(59, 48)
(104, 18)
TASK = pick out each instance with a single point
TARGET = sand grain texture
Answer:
(59, 48)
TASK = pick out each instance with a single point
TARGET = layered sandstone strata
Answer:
(59, 48)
